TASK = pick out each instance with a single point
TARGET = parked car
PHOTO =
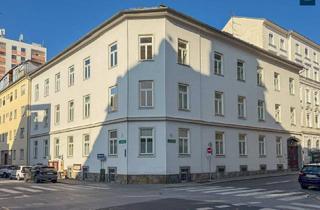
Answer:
(310, 176)
(19, 172)
(41, 173)
(5, 171)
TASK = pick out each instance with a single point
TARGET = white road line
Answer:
(306, 205)
(183, 188)
(204, 188)
(259, 193)
(44, 188)
(279, 182)
(291, 207)
(254, 202)
(63, 188)
(204, 208)
(239, 204)
(240, 191)
(220, 190)
(279, 195)
(27, 189)
(9, 191)
(222, 206)
(267, 209)
(293, 198)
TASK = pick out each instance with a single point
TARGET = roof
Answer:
(164, 10)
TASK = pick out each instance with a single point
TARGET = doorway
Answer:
(293, 154)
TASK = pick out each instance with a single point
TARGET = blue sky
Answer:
(59, 23)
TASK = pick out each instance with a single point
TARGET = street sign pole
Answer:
(209, 155)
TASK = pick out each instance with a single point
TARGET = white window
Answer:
(36, 120)
(277, 112)
(146, 141)
(56, 148)
(271, 39)
(262, 145)
(46, 88)
(316, 75)
(292, 116)
(306, 52)
(46, 118)
(291, 86)
(113, 142)
(301, 94)
(23, 90)
(71, 111)
(219, 143)
(183, 97)
(316, 119)
(71, 76)
(36, 92)
(57, 114)
(241, 106)
(21, 154)
(113, 55)
(315, 57)
(70, 146)
(308, 96)
(113, 98)
(309, 145)
(35, 150)
(86, 145)
(316, 97)
(260, 77)
(298, 49)
(183, 52)
(218, 103)
(261, 110)
(276, 81)
(218, 63)
(242, 144)
(86, 106)
(184, 136)
(146, 47)
(57, 82)
(282, 44)
(278, 146)
(86, 68)
(240, 71)
(308, 120)
(45, 149)
(146, 94)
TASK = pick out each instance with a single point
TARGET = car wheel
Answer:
(54, 181)
(304, 186)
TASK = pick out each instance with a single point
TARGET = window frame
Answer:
(221, 113)
(113, 55)
(183, 94)
(185, 140)
(85, 143)
(70, 143)
(186, 50)
(86, 70)
(222, 142)
(146, 141)
(145, 90)
(146, 47)
(113, 98)
(114, 146)
(86, 106)
(221, 62)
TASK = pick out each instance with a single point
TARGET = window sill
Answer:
(220, 75)
(261, 120)
(146, 156)
(113, 156)
(279, 156)
(283, 50)
(112, 67)
(184, 110)
(219, 115)
(262, 156)
(277, 90)
(243, 156)
(182, 64)
(241, 80)
(112, 111)
(146, 107)
(242, 118)
(272, 45)
(298, 54)
(146, 60)
(220, 156)
(184, 155)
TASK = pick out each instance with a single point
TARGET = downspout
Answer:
(127, 150)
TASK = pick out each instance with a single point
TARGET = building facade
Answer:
(14, 52)
(14, 103)
(153, 99)
(299, 49)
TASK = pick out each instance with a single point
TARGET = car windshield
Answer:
(47, 169)
(311, 169)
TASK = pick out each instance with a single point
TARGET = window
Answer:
(297, 48)
(57, 114)
(184, 141)
(113, 55)
(36, 120)
(309, 145)
(308, 96)
(113, 142)
(71, 111)
(278, 146)
(86, 145)
(23, 90)
(277, 112)
(14, 47)
(316, 75)
(183, 96)
(316, 119)
(146, 94)
(240, 71)
(291, 86)
(35, 149)
(282, 44)
(218, 63)
(57, 82)
(276, 81)
(218, 103)
(242, 144)
(271, 39)
(21, 133)
(46, 118)
(260, 77)
(71, 76)
(262, 145)
(70, 146)
(36, 92)
(86, 68)
(113, 98)
(315, 57)
(292, 116)
(241, 106)
(21, 154)
(145, 47)
(45, 149)
(57, 148)
(146, 141)
(183, 54)
(306, 52)
(219, 143)
(86, 106)
(308, 120)
(316, 97)
(13, 154)
(46, 88)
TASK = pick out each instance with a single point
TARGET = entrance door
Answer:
(6, 162)
(293, 157)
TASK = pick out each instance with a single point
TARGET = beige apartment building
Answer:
(295, 47)
(14, 52)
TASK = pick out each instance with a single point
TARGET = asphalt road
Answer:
(265, 193)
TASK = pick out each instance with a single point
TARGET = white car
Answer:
(19, 172)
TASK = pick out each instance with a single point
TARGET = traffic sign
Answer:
(209, 150)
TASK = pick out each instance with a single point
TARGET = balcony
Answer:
(23, 54)
(14, 61)
(2, 50)
(2, 60)
(14, 52)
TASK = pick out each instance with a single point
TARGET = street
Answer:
(264, 193)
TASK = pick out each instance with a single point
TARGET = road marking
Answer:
(306, 205)
(222, 206)
(291, 207)
(204, 208)
(204, 188)
(44, 188)
(81, 187)
(9, 191)
(279, 195)
(220, 190)
(294, 198)
(27, 189)
(259, 193)
(63, 188)
(240, 191)
(215, 201)
(239, 204)
(267, 209)
(279, 182)
(254, 202)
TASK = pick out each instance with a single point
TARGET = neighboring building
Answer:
(299, 49)
(14, 103)
(153, 99)
(14, 52)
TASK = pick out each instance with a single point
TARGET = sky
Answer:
(58, 23)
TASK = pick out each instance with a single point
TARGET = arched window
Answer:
(318, 145)
(309, 145)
